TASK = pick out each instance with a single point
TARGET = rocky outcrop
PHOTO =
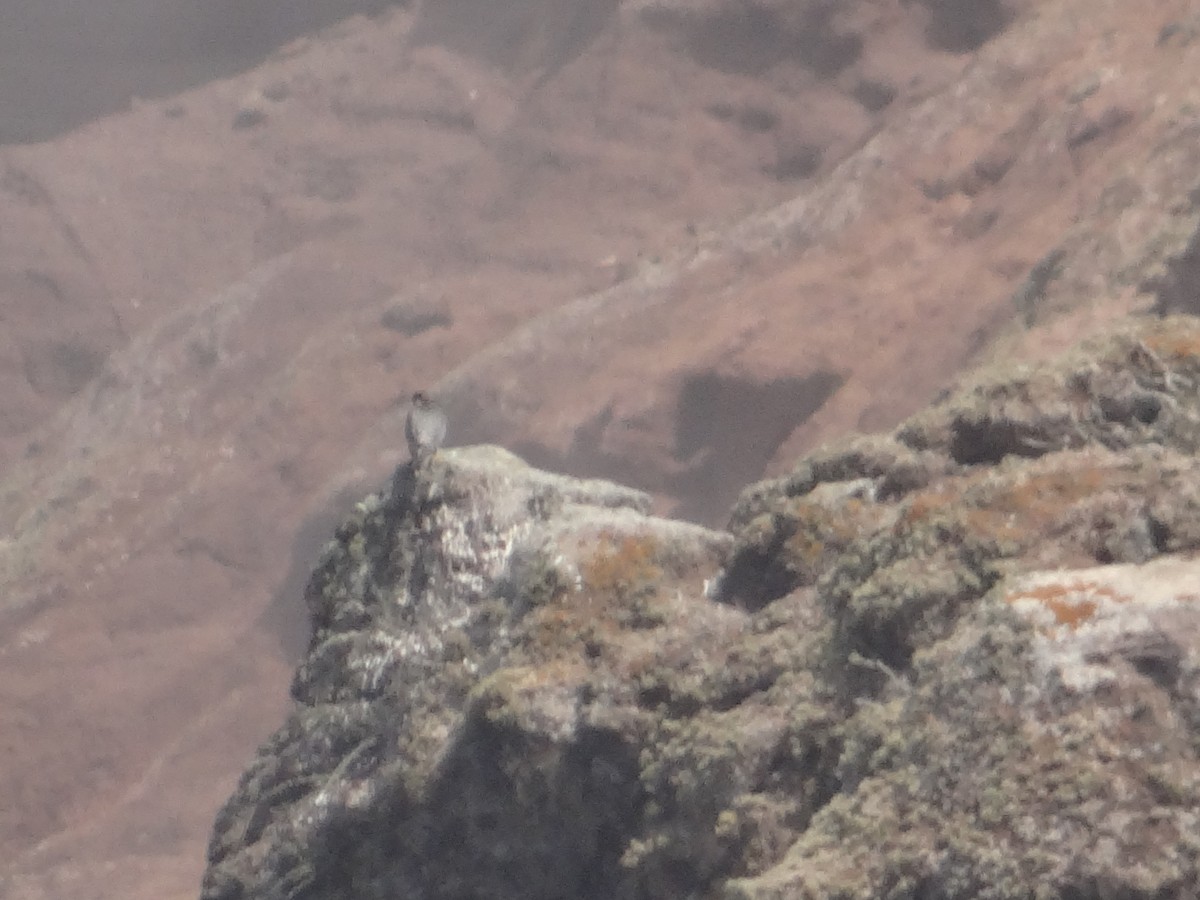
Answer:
(481, 632)
(959, 660)
(1008, 587)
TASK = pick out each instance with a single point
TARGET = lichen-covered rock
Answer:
(468, 718)
(960, 661)
(1137, 387)
(1020, 633)
(999, 768)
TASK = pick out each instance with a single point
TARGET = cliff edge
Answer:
(958, 660)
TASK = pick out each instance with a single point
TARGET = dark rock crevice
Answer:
(961, 26)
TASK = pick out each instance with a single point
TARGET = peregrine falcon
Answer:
(425, 428)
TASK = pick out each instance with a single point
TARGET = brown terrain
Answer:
(671, 243)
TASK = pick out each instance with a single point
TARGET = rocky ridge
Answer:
(958, 660)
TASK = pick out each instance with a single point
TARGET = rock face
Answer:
(960, 660)
(480, 633)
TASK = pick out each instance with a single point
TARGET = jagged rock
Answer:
(957, 661)
(468, 718)
(1137, 387)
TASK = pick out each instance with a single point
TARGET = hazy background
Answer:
(63, 62)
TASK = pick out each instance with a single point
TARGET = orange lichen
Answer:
(621, 565)
(1042, 496)
(617, 570)
(1017, 510)
(925, 505)
(997, 525)
(1175, 344)
(1071, 612)
(561, 628)
(1071, 603)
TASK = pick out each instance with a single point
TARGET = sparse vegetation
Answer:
(622, 566)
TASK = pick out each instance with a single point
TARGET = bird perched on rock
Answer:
(425, 427)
